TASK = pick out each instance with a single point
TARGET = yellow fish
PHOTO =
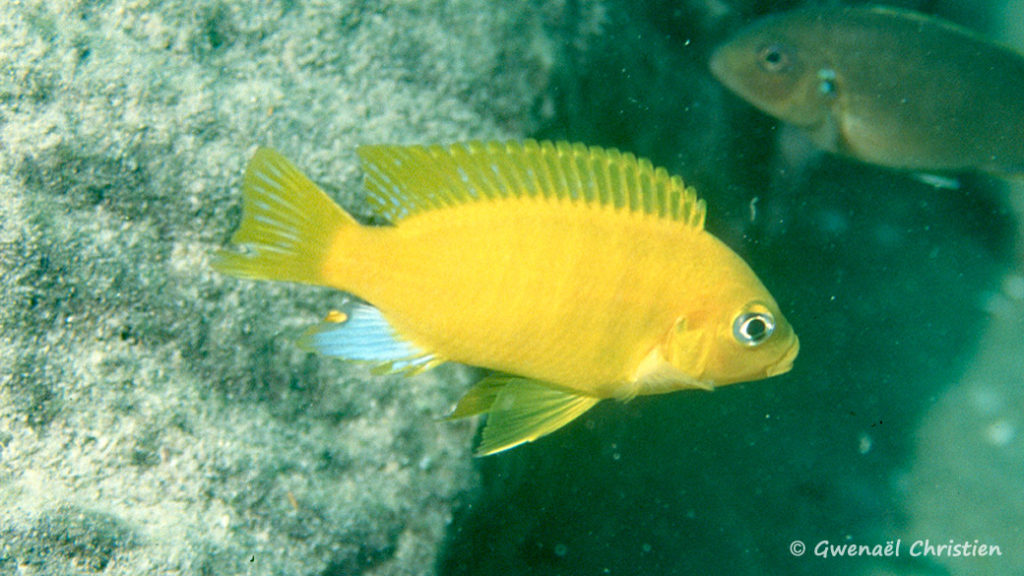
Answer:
(574, 273)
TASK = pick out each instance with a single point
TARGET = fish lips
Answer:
(717, 63)
(785, 364)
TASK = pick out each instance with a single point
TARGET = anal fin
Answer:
(519, 410)
(363, 334)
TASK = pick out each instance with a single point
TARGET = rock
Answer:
(965, 484)
(156, 417)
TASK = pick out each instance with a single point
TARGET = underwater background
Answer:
(156, 417)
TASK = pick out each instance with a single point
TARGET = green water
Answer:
(885, 279)
(156, 417)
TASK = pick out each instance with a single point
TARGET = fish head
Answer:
(755, 341)
(774, 65)
(736, 334)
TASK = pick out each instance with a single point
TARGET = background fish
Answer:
(885, 86)
(575, 273)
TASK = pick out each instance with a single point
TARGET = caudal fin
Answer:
(288, 224)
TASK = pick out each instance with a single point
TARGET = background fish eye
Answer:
(774, 58)
(753, 328)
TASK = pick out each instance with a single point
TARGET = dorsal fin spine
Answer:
(405, 180)
(573, 181)
(594, 178)
(648, 194)
(658, 183)
(567, 181)
(479, 180)
(614, 180)
(657, 195)
(649, 190)
(554, 178)
(587, 166)
(543, 175)
(467, 171)
(425, 158)
(500, 178)
(633, 185)
(451, 192)
(522, 174)
(676, 206)
(577, 162)
(607, 177)
(665, 180)
(527, 170)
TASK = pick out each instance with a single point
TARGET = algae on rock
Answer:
(156, 417)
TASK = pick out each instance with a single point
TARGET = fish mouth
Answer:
(785, 364)
(716, 64)
(722, 67)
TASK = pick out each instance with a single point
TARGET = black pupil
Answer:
(756, 328)
(774, 58)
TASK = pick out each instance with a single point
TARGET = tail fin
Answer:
(288, 224)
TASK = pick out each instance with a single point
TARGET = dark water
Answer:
(884, 278)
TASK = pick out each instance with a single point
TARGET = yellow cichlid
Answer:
(885, 86)
(575, 273)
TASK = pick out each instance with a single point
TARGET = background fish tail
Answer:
(288, 225)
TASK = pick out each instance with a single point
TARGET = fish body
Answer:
(885, 86)
(575, 273)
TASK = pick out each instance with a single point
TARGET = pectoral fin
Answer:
(655, 375)
(519, 410)
(939, 181)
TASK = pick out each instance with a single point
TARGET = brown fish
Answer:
(885, 86)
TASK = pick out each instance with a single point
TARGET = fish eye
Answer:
(774, 58)
(753, 328)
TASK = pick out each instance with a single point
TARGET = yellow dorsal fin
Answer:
(405, 180)
(519, 410)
